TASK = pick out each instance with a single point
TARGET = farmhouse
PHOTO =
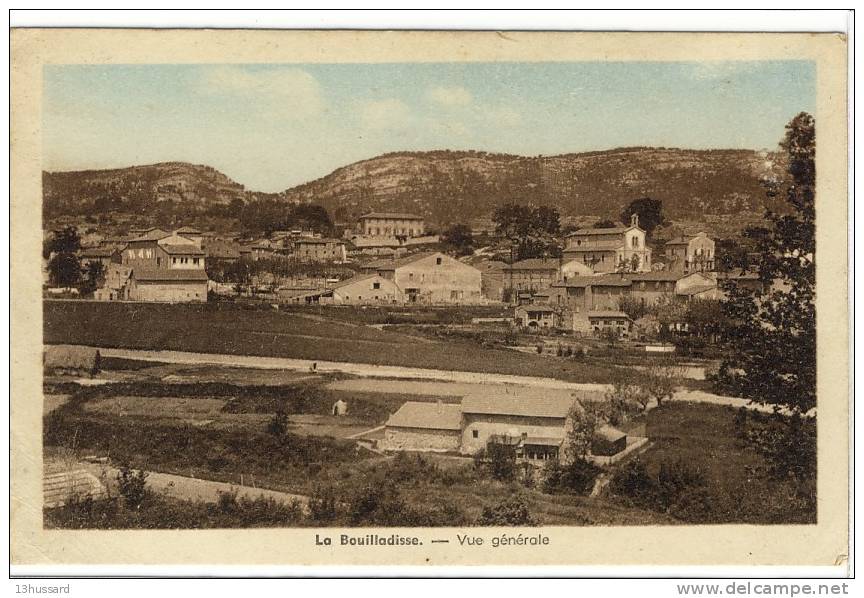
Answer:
(390, 224)
(615, 322)
(116, 285)
(420, 426)
(532, 274)
(537, 316)
(101, 255)
(608, 249)
(433, 277)
(651, 287)
(538, 423)
(308, 249)
(368, 288)
(171, 285)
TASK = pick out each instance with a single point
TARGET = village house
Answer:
(116, 284)
(610, 322)
(690, 254)
(162, 267)
(309, 249)
(221, 249)
(650, 287)
(101, 255)
(191, 233)
(698, 285)
(365, 289)
(389, 224)
(538, 317)
(433, 277)
(532, 274)
(610, 249)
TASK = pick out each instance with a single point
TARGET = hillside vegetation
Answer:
(442, 186)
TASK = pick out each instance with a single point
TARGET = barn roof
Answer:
(358, 278)
(391, 215)
(604, 245)
(151, 235)
(534, 264)
(507, 404)
(607, 314)
(609, 433)
(71, 356)
(182, 250)
(656, 276)
(433, 416)
(591, 232)
(165, 275)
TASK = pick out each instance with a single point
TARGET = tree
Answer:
(627, 395)
(132, 485)
(531, 230)
(650, 212)
(458, 240)
(584, 421)
(65, 241)
(93, 277)
(64, 270)
(660, 380)
(773, 328)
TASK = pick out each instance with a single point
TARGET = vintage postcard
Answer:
(429, 298)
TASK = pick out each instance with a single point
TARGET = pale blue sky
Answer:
(270, 127)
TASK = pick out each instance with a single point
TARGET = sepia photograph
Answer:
(461, 294)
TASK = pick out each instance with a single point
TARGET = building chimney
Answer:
(634, 219)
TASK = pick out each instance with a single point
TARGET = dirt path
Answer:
(356, 369)
(399, 372)
(186, 488)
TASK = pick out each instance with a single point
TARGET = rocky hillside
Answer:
(446, 186)
(136, 189)
(459, 186)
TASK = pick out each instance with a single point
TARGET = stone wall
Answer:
(420, 439)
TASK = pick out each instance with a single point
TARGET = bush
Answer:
(323, 505)
(632, 480)
(576, 477)
(502, 461)
(677, 489)
(133, 486)
(278, 424)
(510, 511)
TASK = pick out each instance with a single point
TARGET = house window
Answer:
(195, 261)
(410, 276)
(438, 261)
(635, 242)
(475, 434)
(376, 285)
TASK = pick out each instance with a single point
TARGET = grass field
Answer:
(235, 330)
(739, 485)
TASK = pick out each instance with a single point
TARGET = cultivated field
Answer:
(235, 330)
